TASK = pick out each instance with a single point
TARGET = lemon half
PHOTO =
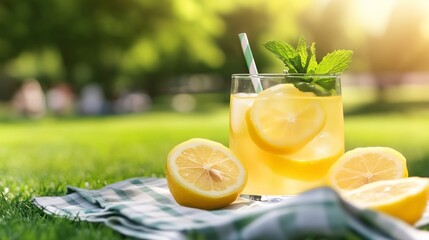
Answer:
(404, 198)
(365, 165)
(204, 174)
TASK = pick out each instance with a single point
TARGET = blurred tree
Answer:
(89, 38)
(388, 40)
(402, 47)
(262, 21)
(136, 43)
(321, 24)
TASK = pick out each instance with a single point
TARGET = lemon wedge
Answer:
(283, 119)
(404, 198)
(204, 174)
(365, 165)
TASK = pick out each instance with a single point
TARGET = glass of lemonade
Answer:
(286, 138)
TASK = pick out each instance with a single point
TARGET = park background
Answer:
(156, 73)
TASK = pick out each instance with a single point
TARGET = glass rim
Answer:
(271, 75)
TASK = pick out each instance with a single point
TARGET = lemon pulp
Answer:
(365, 165)
(404, 198)
(204, 174)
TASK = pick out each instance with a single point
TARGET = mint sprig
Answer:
(302, 59)
(335, 62)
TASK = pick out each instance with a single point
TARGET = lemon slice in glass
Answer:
(283, 119)
(204, 174)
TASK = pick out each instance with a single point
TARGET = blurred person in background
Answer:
(29, 100)
(133, 102)
(60, 99)
(92, 101)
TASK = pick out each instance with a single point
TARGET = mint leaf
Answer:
(312, 87)
(302, 59)
(284, 52)
(307, 55)
(329, 84)
(312, 62)
(302, 54)
(335, 62)
(318, 86)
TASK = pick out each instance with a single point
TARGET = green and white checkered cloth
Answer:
(144, 208)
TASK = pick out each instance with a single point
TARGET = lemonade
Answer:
(286, 138)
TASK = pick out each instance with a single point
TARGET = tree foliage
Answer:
(140, 44)
(127, 44)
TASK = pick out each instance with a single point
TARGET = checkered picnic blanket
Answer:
(144, 208)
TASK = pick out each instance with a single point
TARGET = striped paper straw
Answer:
(250, 61)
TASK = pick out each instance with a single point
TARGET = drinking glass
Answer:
(289, 133)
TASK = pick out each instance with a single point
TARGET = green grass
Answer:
(40, 158)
